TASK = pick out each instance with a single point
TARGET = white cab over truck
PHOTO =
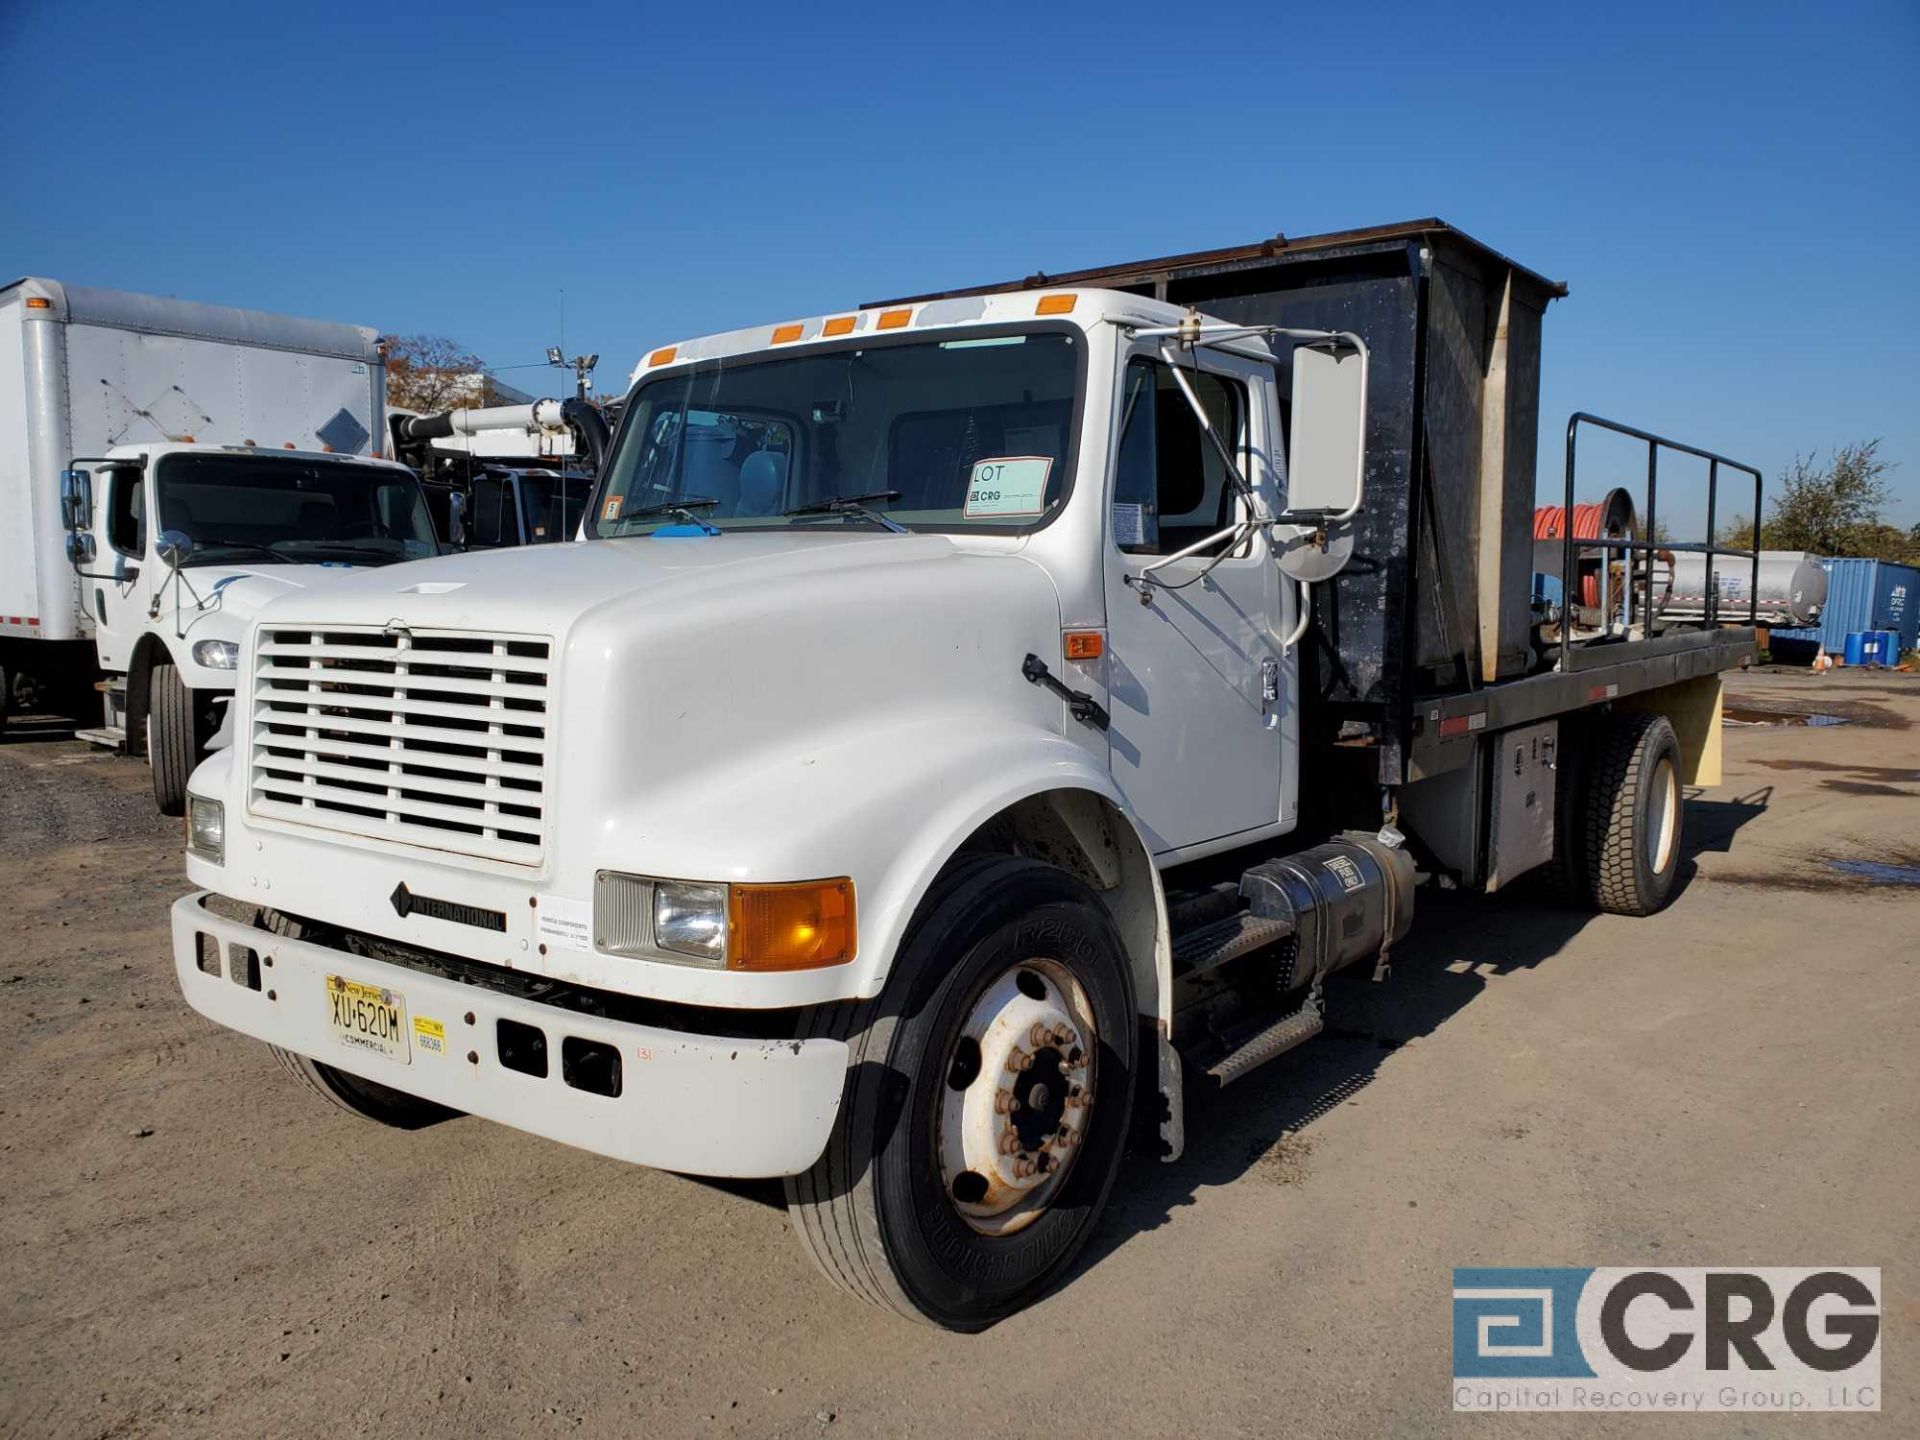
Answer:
(164, 468)
(970, 721)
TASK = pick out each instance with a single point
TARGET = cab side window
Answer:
(1170, 484)
(127, 512)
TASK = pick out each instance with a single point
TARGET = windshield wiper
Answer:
(852, 505)
(201, 555)
(366, 548)
(681, 509)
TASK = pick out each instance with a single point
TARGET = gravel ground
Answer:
(194, 1247)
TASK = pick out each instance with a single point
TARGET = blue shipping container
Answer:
(1865, 595)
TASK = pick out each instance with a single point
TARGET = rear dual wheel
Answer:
(988, 1096)
(1621, 816)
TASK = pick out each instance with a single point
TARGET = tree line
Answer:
(1832, 507)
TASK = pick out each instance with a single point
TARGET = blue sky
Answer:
(1733, 192)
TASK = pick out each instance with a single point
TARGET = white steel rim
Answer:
(1017, 1095)
(1663, 815)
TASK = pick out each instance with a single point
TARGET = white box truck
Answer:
(969, 720)
(164, 466)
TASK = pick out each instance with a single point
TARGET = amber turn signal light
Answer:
(790, 927)
(1085, 644)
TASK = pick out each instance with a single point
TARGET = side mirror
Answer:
(1327, 449)
(457, 520)
(175, 547)
(80, 549)
(76, 500)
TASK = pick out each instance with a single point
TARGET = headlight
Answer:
(216, 654)
(207, 828)
(691, 920)
(801, 926)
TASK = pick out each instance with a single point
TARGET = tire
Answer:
(1634, 815)
(173, 738)
(885, 1213)
(368, 1099)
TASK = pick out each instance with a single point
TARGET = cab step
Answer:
(1190, 909)
(113, 736)
(1215, 943)
(1275, 1040)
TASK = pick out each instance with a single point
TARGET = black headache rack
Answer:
(1430, 636)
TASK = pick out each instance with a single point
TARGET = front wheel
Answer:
(989, 1091)
(173, 737)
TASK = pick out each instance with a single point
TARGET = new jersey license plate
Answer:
(368, 1017)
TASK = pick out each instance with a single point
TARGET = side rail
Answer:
(1644, 541)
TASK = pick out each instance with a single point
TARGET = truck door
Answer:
(1194, 677)
(118, 587)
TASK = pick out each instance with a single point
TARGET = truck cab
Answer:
(523, 505)
(905, 779)
(175, 546)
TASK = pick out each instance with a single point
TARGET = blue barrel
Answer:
(1855, 650)
(1891, 655)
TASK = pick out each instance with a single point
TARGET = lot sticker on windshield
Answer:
(1008, 485)
(566, 922)
(611, 510)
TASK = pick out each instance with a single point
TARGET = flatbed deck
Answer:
(1446, 726)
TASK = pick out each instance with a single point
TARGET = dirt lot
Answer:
(194, 1247)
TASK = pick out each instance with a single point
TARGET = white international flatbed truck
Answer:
(164, 467)
(970, 721)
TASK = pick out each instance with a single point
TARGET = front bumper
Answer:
(702, 1104)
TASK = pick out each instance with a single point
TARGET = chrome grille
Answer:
(430, 738)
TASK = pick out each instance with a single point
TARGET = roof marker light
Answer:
(893, 319)
(1055, 305)
(840, 325)
(783, 333)
(39, 302)
(664, 355)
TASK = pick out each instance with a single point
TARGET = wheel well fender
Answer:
(1089, 834)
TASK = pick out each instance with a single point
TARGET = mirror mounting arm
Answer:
(1256, 510)
(1192, 332)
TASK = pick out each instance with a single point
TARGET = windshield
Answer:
(263, 507)
(972, 433)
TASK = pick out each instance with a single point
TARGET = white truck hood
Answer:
(548, 589)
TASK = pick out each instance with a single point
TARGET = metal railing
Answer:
(1655, 444)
